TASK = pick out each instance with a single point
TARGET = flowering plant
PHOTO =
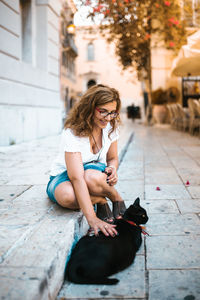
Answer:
(133, 24)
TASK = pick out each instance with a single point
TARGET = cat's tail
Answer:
(103, 280)
(79, 277)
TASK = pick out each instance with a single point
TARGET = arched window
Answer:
(90, 51)
(90, 83)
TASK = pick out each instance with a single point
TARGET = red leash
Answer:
(141, 227)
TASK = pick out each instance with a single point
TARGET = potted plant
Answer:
(159, 101)
(160, 98)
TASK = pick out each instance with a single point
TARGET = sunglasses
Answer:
(105, 113)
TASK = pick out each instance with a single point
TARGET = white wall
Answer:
(30, 105)
(105, 68)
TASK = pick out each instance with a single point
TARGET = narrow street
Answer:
(168, 263)
(36, 235)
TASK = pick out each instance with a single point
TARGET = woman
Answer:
(85, 170)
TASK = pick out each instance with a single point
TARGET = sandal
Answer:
(104, 213)
(118, 209)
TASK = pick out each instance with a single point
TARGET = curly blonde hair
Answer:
(80, 118)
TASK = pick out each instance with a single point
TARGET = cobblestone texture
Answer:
(36, 235)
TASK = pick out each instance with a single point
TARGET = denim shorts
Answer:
(54, 181)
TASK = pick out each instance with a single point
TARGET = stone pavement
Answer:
(167, 267)
(36, 235)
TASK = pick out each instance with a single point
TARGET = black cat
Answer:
(94, 258)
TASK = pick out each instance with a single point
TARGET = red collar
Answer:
(141, 227)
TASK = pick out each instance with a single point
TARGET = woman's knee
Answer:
(66, 197)
(94, 179)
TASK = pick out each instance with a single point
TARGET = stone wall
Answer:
(30, 105)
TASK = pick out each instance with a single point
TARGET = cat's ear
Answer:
(137, 202)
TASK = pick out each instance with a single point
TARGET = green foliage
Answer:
(160, 96)
(138, 25)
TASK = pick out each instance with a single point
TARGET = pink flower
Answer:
(106, 12)
(171, 44)
(176, 22)
(157, 188)
(171, 20)
(147, 36)
(187, 182)
(167, 3)
(98, 8)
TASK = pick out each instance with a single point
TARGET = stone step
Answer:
(34, 268)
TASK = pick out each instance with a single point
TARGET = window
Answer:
(26, 30)
(191, 12)
(90, 51)
(90, 83)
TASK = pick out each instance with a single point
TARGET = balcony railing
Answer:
(69, 45)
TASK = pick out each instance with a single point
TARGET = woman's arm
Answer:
(112, 163)
(75, 172)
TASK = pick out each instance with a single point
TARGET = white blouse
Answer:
(72, 143)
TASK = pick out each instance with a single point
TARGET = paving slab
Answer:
(161, 206)
(24, 283)
(189, 206)
(8, 193)
(167, 191)
(174, 285)
(173, 252)
(131, 288)
(130, 190)
(173, 224)
(35, 198)
(194, 191)
(164, 176)
(50, 248)
(189, 174)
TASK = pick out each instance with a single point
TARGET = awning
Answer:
(188, 61)
(187, 66)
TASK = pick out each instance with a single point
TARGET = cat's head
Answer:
(136, 213)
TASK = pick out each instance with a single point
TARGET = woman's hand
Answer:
(111, 175)
(97, 224)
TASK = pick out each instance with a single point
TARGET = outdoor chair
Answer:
(194, 112)
(184, 116)
(171, 115)
(177, 117)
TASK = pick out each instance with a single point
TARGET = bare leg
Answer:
(98, 199)
(65, 196)
(97, 185)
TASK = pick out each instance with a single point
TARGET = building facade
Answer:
(68, 54)
(162, 59)
(97, 63)
(30, 102)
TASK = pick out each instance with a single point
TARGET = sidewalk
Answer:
(35, 235)
(167, 267)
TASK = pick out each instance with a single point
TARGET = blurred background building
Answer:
(97, 63)
(30, 101)
(46, 64)
(68, 54)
